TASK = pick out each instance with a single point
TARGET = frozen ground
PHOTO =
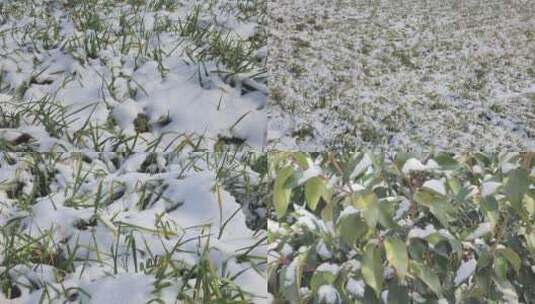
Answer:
(141, 228)
(154, 75)
(407, 74)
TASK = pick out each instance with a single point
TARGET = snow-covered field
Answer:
(455, 74)
(139, 228)
(132, 75)
(133, 162)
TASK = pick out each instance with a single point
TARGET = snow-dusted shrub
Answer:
(402, 228)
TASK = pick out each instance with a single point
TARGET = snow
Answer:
(323, 251)
(353, 264)
(291, 272)
(384, 296)
(348, 210)
(466, 269)
(418, 232)
(489, 188)
(362, 166)
(481, 230)
(159, 77)
(339, 80)
(404, 206)
(312, 171)
(477, 169)
(355, 287)
(413, 164)
(188, 210)
(286, 250)
(329, 267)
(124, 288)
(327, 294)
(436, 186)
(309, 220)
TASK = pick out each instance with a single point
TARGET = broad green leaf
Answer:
(529, 204)
(517, 185)
(314, 188)
(423, 197)
(396, 254)
(446, 161)
(397, 293)
(350, 228)
(489, 204)
(428, 277)
(530, 241)
(501, 267)
(372, 268)
(443, 211)
(281, 192)
(327, 212)
(367, 202)
(302, 159)
(327, 195)
(511, 256)
(454, 184)
(386, 215)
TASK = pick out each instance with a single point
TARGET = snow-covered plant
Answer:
(401, 228)
(151, 75)
(131, 228)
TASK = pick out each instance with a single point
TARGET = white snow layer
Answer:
(356, 287)
(466, 269)
(418, 232)
(327, 294)
(436, 186)
(480, 231)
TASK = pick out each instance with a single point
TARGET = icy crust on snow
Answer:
(406, 74)
(186, 210)
(179, 98)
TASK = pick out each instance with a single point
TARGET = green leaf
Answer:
(443, 211)
(314, 188)
(281, 191)
(424, 198)
(372, 268)
(428, 277)
(512, 257)
(446, 161)
(530, 241)
(397, 256)
(397, 294)
(367, 202)
(351, 227)
(386, 215)
(517, 185)
(320, 278)
(302, 159)
(501, 267)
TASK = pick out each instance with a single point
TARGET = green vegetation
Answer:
(402, 228)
